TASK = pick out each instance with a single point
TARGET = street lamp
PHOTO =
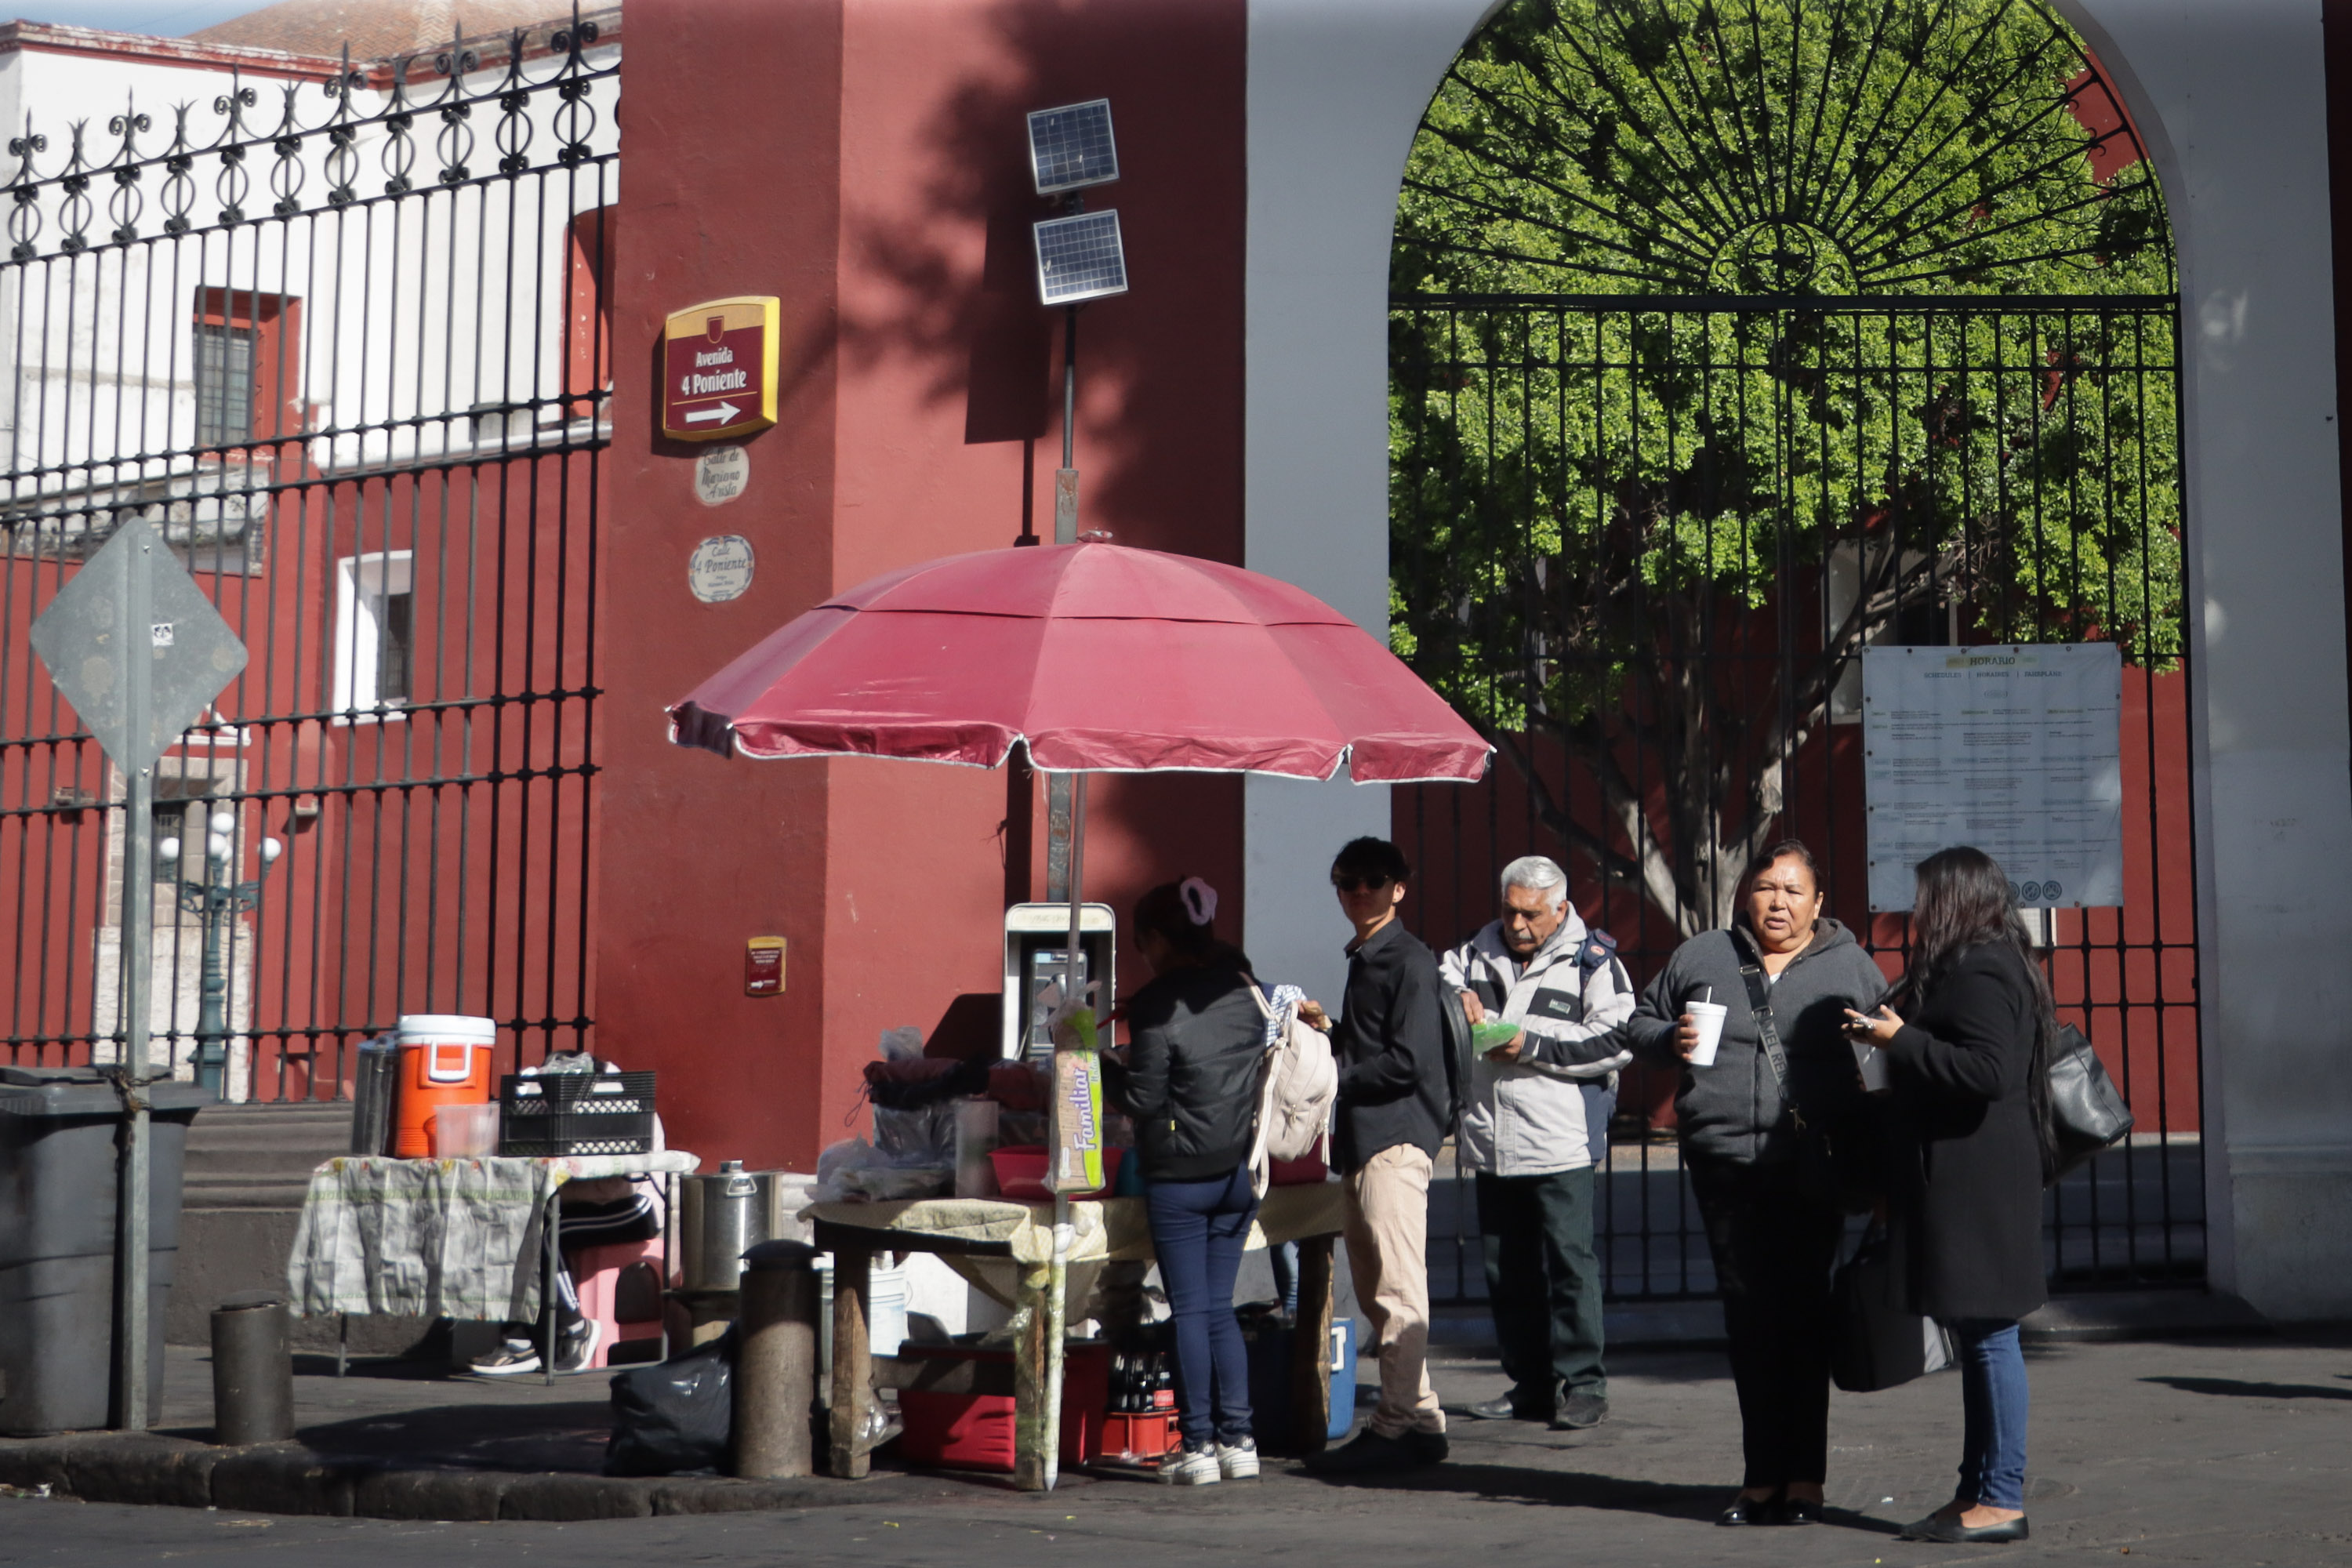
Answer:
(216, 899)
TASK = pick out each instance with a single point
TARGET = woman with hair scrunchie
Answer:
(1967, 1073)
(1190, 1082)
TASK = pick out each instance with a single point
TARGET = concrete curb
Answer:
(290, 1478)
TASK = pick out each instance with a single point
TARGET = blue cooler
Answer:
(1270, 1346)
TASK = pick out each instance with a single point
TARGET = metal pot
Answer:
(725, 1214)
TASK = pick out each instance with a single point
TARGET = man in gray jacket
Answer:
(1535, 1122)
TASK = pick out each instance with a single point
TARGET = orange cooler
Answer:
(445, 1060)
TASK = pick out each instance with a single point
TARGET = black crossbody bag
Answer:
(1834, 1167)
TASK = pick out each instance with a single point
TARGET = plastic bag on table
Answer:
(675, 1417)
(855, 1170)
(925, 1136)
(901, 1045)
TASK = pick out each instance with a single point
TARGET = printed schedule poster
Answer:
(2015, 750)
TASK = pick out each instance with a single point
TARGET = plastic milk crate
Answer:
(575, 1113)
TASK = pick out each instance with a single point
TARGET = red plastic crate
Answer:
(975, 1431)
(1144, 1437)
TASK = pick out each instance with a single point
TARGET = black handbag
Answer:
(1836, 1166)
(1876, 1341)
(2085, 1113)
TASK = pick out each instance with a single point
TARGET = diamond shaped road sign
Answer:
(131, 601)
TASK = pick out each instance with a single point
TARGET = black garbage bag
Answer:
(675, 1417)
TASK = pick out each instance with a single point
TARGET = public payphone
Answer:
(1036, 950)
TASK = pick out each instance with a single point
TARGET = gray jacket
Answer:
(1734, 1110)
(1534, 1116)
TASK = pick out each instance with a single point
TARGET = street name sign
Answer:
(718, 364)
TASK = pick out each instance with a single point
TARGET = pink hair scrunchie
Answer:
(1200, 899)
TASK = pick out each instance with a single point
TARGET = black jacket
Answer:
(1390, 1043)
(1734, 1110)
(1194, 1044)
(1973, 1193)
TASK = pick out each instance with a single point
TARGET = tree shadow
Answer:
(2239, 1388)
(1579, 1489)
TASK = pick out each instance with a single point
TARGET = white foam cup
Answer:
(1873, 1063)
(1708, 1017)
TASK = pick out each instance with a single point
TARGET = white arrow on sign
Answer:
(723, 413)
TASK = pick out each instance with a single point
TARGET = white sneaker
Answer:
(1191, 1466)
(1238, 1461)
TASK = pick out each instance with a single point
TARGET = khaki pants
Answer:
(1387, 1231)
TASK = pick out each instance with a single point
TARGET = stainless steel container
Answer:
(725, 1214)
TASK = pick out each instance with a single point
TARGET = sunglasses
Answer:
(1359, 884)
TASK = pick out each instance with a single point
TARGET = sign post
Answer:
(138, 652)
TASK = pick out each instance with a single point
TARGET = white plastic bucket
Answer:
(448, 1040)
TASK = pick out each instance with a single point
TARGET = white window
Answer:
(375, 633)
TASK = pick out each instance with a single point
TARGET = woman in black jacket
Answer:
(1967, 1076)
(1772, 1226)
(1196, 1038)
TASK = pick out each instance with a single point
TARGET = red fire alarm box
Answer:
(763, 966)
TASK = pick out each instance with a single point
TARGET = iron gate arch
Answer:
(1725, 343)
(343, 337)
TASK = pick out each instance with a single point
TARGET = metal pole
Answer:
(1058, 1292)
(1065, 531)
(212, 1009)
(131, 1352)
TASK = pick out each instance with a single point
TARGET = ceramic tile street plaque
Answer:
(720, 568)
(719, 361)
(133, 601)
(2016, 751)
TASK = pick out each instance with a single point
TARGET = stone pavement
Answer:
(2205, 1452)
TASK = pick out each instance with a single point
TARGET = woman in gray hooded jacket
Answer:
(1772, 1232)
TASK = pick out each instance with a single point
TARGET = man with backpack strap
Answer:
(1395, 1105)
(1535, 1124)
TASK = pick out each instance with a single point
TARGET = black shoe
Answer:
(1933, 1528)
(1580, 1411)
(1516, 1406)
(1797, 1510)
(1428, 1447)
(1749, 1511)
(1368, 1454)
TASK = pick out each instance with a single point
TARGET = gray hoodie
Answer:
(1734, 1110)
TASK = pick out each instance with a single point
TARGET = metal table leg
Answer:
(547, 1293)
(343, 1342)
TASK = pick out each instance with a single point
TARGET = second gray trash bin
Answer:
(58, 1187)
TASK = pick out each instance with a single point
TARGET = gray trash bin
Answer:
(58, 1182)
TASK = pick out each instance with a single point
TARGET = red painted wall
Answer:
(875, 179)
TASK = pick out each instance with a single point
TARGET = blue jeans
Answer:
(1994, 1398)
(1197, 1231)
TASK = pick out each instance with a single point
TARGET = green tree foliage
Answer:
(1671, 360)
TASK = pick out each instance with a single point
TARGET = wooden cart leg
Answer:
(1030, 1328)
(1310, 1356)
(853, 1368)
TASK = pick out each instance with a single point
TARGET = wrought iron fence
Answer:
(346, 343)
(1641, 541)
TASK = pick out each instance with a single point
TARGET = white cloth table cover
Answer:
(438, 1238)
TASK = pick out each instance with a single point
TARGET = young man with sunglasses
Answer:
(1395, 1101)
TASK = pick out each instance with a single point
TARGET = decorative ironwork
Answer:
(355, 367)
(1838, 147)
(1727, 341)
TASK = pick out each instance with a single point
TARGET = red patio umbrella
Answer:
(1101, 657)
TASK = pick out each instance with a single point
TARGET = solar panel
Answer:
(1080, 257)
(1071, 147)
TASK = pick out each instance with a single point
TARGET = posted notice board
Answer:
(2017, 750)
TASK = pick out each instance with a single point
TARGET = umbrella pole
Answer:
(1058, 1291)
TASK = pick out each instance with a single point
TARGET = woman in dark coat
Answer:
(1772, 1233)
(1196, 1037)
(1967, 1075)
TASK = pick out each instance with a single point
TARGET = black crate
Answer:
(575, 1113)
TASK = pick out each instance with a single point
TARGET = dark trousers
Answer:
(1774, 1248)
(637, 1217)
(1543, 1284)
(1197, 1231)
